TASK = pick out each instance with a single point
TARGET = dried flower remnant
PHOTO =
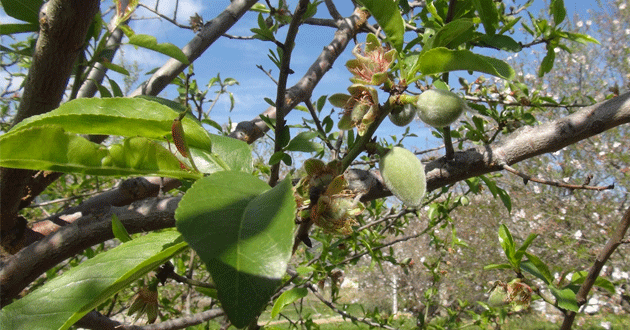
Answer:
(323, 197)
(361, 108)
(372, 62)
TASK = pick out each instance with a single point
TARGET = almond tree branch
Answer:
(95, 320)
(289, 44)
(63, 27)
(615, 240)
(585, 186)
(84, 229)
(250, 131)
(210, 32)
(343, 313)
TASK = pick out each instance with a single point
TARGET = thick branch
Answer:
(96, 75)
(63, 28)
(95, 320)
(250, 131)
(210, 32)
(523, 144)
(83, 231)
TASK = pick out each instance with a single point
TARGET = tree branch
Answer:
(210, 32)
(285, 68)
(250, 131)
(615, 240)
(63, 28)
(84, 229)
(95, 320)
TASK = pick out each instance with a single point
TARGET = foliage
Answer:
(245, 235)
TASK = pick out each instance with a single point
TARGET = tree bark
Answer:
(63, 29)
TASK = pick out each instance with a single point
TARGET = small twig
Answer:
(190, 281)
(282, 84)
(332, 306)
(337, 151)
(63, 200)
(527, 178)
(515, 103)
(615, 240)
(311, 109)
(332, 10)
(268, 73)
(170, 20)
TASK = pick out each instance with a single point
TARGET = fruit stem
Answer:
(448, 144)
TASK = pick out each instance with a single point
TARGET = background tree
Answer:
(242, 228)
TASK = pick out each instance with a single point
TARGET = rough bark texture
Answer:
(63, 28)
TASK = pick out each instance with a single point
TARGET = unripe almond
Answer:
(403, 115)
(403, 174)
(439, 108)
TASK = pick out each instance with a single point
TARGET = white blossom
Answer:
(622, 6)
(578, 234)
(579, 24)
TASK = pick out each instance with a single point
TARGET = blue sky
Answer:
(238, 58)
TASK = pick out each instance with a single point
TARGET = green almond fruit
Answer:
(403, 115)
(439, 108)
(403, 174)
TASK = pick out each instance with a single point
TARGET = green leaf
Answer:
(119, 230)
(243, 231)
(441, 59)
(539, 268)
(212, 293)
(283, 137)
(115, 88)
(114, 67)
(507, 243)
(79, 290)
(547, 63)
(505, 198)
(287, 298)
(24, 10)
(388, 16)
(501, 42)
(566, 298)
(236, 154)
(497, 266)
(303, 142)
(489, 15)
(119, 116)
(450, 32)
(523, 248)
(150, 42)
(579, 277)
(17, 28)
(276, 157)
(558, 11)
(581, 38)
(50, 148)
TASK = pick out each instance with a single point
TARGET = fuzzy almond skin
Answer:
(403, 174)
(405, 116)
(439, 108)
